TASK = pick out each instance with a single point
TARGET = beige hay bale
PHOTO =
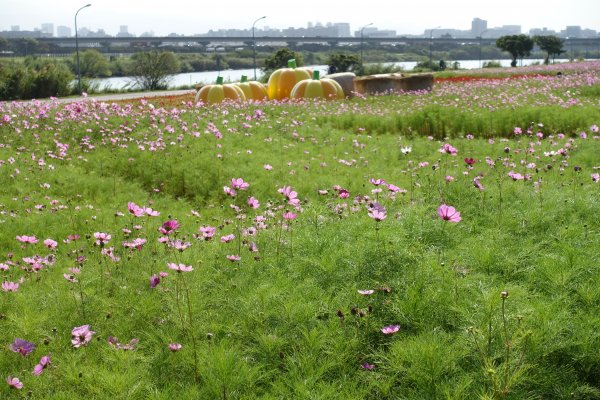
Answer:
(345, 79)
(381, 83)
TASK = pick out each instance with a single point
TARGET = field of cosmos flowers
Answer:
(403, 246)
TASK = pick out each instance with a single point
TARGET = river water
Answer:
(193, 78)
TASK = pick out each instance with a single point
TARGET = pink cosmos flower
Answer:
(174, 347)
(367, 366)
(395, 189)
(227, 238)
(252, 202)
(229, 191)
(179, 244)
(41, 366)
(448, 149)
(10, 286)
(137, 244)
(290, 195)
(478, 184)
(207, 232)
(234, 258)
(516, 176)
(135, 210)
(51, 244)
(22, 347)
(101, 238)
(343, 194)
(150, 212)
(289, 216)
(27, 239)
(14, 382)
(267, 167)
(378, 214)
(390, 329)
(169, 227)
(595, 178)
(180, 267)
(81, 335)
(448, 213)
(238, 183)
(377, 182)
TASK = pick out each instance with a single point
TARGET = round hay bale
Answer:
(345, 79)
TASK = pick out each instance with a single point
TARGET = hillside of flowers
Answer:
(426, 245)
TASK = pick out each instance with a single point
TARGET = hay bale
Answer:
(345, 79)
(414, 82)
(381, 83)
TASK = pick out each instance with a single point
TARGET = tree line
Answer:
(38, 77)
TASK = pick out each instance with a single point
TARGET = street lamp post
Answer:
(254, 45)
(430, 47)
(77, 50)
(481, 37)
(361, 43)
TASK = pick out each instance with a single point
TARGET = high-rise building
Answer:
(478, 26)
(47, 29)
(63, 31)
(124, 31)
(343, 29)
(573, 31)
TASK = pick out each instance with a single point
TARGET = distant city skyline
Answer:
(186, 17)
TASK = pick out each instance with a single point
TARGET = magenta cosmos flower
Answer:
(448, 213)
(154, 281)
(14, 382)
(41, 366)
(21, 346)
(81, 335)
(180, 267)
(390, 329)
(169, 227)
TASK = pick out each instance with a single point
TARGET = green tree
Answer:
(343, 62)
(552, 45)
(280, 60)
(151, 70)
(92, 64)
(518, 46)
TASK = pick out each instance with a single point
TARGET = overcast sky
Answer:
(189, 17)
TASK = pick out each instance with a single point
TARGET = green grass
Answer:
(287, 322)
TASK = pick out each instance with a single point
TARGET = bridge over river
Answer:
(212, 42)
